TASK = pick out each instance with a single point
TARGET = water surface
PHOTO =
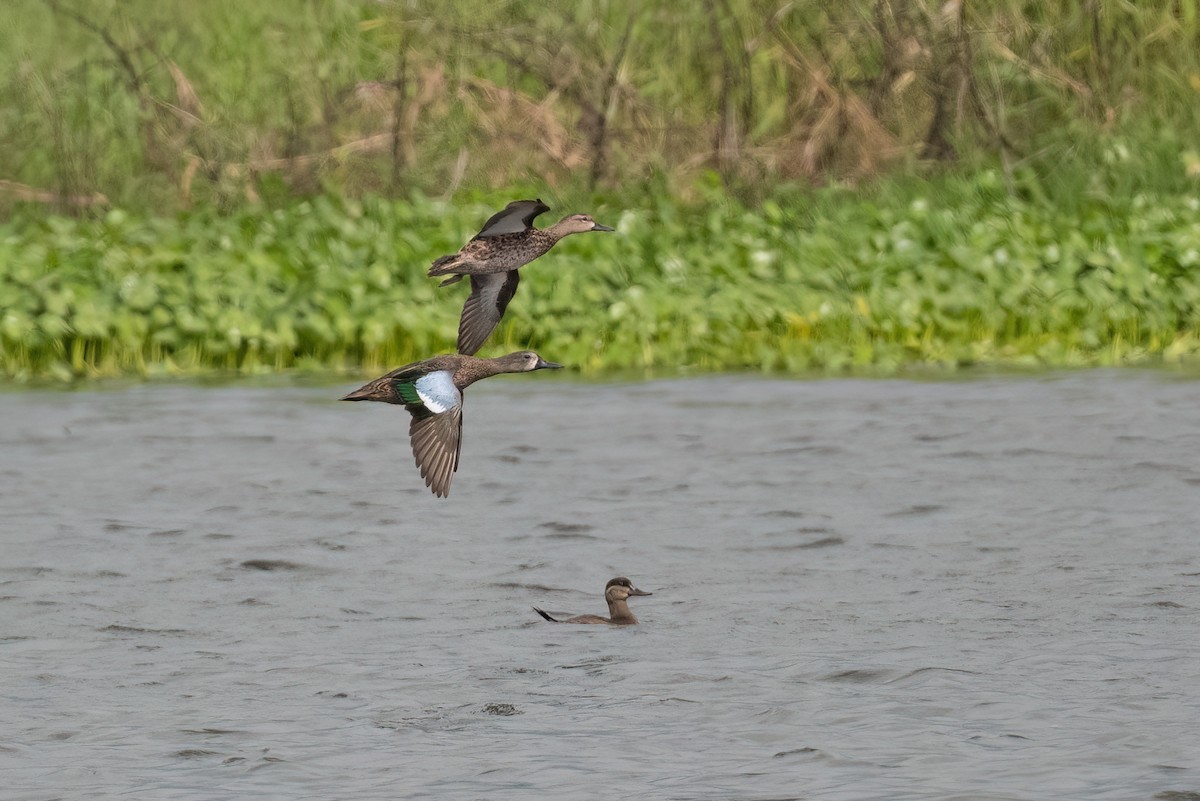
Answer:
(862, 589)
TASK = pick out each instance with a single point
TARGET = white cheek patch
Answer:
(437, 391)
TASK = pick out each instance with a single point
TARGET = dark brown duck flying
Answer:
(617, 593)
(507, 242)
(432, 391)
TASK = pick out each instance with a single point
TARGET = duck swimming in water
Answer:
(507, 242)
(617, 593)
(432, 391)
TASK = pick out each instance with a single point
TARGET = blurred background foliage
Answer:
(798, 185)
(168, 104)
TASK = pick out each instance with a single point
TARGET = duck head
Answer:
(621, 588)
(578, 224)
(524, 361)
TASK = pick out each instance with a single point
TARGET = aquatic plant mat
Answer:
(955, 272)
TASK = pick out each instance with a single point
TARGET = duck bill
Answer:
(636, 591)
(544, 365)
(599, 227)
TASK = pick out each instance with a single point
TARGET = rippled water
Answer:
(862, 589)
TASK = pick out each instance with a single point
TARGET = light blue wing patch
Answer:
(437, 391)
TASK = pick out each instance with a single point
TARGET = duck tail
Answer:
(543, 614)
(443, 265)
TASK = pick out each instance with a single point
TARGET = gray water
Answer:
(862, 590)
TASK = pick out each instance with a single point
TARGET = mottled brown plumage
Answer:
(616, 593)
(432, 391)
(507, 242)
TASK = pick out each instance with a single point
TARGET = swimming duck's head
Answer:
(621, 588)
(580, 223)
(525, 361)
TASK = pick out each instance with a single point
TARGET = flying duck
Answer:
(507, 242)
(432, 391)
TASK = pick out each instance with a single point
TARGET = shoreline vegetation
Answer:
(801, 187)
(952, 274)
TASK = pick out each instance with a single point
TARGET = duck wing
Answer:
(400, 385)
(517, 217)
(436, 427)
(436, 442)
(490, 294)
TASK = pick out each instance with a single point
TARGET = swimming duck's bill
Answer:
(636, 591)
(599, 227)
(542, 364)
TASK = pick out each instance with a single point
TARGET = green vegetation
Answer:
(255, 186)
(952, 274)
(152, 105)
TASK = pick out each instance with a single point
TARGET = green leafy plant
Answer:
(950, 273)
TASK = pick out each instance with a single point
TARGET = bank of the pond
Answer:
(956, 273)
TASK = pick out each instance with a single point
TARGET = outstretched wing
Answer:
(436, 427)
(490, 294)
(517, 216)
(436, 441)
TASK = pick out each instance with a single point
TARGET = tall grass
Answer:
(162, 105)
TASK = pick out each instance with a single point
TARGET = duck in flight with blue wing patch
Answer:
(432, 391)
(507, 242)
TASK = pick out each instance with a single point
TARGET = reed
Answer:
(173, 105)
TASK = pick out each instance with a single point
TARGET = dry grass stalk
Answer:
(187, 103)
(834, 126)
(1048, 73)
(369, 144)
(32, 194)
(508, 113)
